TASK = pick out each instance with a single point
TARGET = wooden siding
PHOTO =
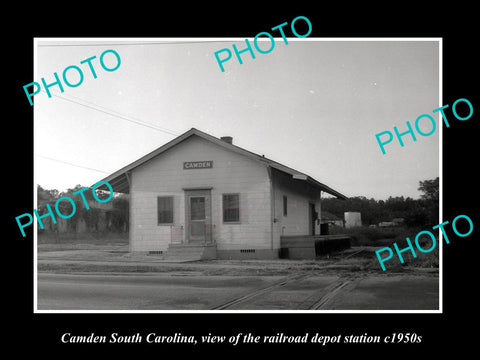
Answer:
(231, 173)
(299, 196)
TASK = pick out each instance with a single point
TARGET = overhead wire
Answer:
(137, 43)
(115, 114)
(72, 164)
(107, 111)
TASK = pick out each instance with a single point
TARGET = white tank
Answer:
(352, 219)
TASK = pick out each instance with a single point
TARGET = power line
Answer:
(72, 164)
(110, 112)
(136, 43)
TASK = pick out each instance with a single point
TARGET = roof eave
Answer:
(120, 181)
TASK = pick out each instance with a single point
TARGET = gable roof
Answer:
(119, 180)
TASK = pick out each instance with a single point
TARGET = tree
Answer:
(120, 214)
(44, 195)
(430, 189)
(416, 212)
(430, 200)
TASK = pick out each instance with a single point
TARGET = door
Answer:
(313, 215)
(198, 216)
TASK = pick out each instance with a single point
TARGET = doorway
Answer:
(312, 215)
(198, 216)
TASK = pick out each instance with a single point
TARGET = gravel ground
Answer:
(75, 257)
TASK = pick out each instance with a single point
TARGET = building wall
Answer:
(299, 196)
(231, 173)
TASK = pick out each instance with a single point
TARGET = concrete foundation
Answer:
(191, 252)
(246, 254)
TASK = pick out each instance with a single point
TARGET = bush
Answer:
(367, 236)
(422, 260)
(105, 237)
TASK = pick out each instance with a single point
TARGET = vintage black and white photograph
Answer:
(268, 174)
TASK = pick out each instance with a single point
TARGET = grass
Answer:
(98, 238)
(367, 236)
(114, 247)
(386, 237)
(428, 260)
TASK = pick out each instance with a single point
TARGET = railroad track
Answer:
(356, 253)
(258, 292)
(330, 292)
(320, 299)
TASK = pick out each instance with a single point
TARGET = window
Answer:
(284, 205)
(231, 207)
(197, 208)
(165, 209)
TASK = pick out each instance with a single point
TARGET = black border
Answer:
(41, 332)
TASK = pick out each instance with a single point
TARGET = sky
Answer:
(314, 105)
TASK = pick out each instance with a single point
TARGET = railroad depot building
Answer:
(204, 195)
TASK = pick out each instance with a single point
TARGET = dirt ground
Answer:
(92, 276)
(77, 257)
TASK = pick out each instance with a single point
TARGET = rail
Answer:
(176, 234)
(204, 233)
